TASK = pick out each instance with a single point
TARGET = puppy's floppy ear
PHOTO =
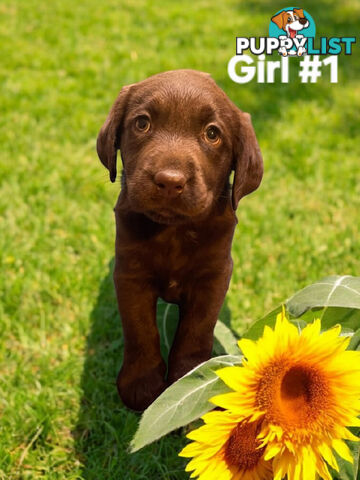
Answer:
(109, 136)
(279, 19)
(300, 12)
(248, 163)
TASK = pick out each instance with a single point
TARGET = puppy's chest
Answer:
(172, 262)
(172, 254)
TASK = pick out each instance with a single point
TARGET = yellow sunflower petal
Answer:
(349, 435)
(248, 348)
(232, 376)
(322, 469)
(328, 455)
(233, 402)
(271, 451)
(309, 465)
(281, 464)
(312, 329)
(226, 447)
(342, 449)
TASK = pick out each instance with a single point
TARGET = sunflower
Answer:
(225, 448)
(301, 389)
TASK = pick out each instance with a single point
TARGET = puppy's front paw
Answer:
(282, 51)
(301, 51)
(139, 391)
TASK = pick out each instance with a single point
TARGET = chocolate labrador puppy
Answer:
(180, 137)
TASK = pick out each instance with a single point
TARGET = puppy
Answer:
(180, 137)
(291, 21)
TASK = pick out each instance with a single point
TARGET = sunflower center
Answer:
(296, 386)
(241, 449)
(293, 395)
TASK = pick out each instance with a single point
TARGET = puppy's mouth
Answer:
(166, 216)
(292, 32)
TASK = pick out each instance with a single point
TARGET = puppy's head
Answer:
(291, 21)
(180, 137)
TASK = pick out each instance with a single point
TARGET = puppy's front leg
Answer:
(198, 315)
(142, 375)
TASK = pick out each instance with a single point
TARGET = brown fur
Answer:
(174, 245)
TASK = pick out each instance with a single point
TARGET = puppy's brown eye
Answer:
(213, 134)
(143, 123)
(289, 19)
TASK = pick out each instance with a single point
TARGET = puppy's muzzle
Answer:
(170, 183)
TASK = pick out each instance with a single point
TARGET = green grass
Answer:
(62, 64)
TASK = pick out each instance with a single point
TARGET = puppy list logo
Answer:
(292, 34)
(293, 27)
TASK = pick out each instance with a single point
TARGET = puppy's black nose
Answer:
(303, 21)
(170, 182)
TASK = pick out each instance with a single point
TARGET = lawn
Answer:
(62, 64)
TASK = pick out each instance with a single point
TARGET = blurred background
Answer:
(62, 65)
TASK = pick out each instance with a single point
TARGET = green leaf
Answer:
(167, 321)
(226, 338)
(332, 291)
(333, 299)
(183, 402)
(349, 318)
(167, 315)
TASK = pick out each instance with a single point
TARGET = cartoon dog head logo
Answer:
(294, 24)
(291, 21)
